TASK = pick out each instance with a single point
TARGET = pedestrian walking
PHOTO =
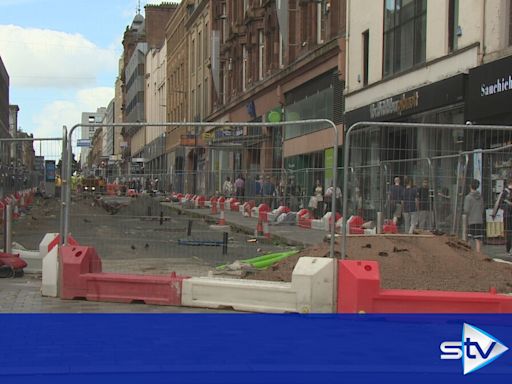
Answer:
(474, 210)
(330, 195)
(318, 196)
(396, 197)
(227, 187)
(240, 187)
(410, 206)
(268, 190)
(504, 202)
(424, 205)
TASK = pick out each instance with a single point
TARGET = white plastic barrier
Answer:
(50, 279)
(49, 248)
(34, 258)
(311, 290)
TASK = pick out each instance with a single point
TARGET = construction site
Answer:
(127, 239)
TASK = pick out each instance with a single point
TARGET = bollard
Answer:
(149, 211)
(259, 227)
(464, 227)
(189, 228)
(161, 217)
(8, 229)
(266, 230)
(225, 243)
(379, 222)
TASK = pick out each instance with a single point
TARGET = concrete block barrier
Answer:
(311, 290)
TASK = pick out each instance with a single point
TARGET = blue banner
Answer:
(247, 348)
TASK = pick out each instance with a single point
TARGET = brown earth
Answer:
(413, 262)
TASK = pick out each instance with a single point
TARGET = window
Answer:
(404, 34)
(366, 56)
(193, 56)
(199, 50)
(281, 50)
(453, 23)
(244, 67)
(206, 53)
(224, 17)
(319, 26)
(261, 53)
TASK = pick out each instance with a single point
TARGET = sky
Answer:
(62, 57)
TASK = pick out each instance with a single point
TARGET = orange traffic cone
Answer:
(222, 220)
(266, 230)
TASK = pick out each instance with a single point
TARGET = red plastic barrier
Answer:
(159, 290)
(213, 205)
(304, 218)
(389, 227)
(263, 210)
(12, 260)
(359, 291)
(235, 206)
(82, 278)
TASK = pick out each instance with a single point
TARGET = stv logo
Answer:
(477, 349)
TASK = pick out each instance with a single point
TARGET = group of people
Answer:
(410, 203)
(264, 189)
(230, 189)
(321, 203)
(414, 205)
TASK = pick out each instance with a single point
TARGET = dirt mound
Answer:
(408, 262)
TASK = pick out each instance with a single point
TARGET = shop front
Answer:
(489, 98)
(380, 154)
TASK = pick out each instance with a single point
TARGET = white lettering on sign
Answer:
(390, 106)
(499, 86)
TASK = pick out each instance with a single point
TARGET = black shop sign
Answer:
(442, 93)
(489, 89)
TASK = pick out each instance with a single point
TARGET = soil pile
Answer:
(413, 262)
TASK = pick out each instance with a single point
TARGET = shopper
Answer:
(318, 194)
(227, 187)
(240, 187)
(396, 197)
(424, 205)
(410, 206)
(329, 195)
(504, 202)
(474, 210)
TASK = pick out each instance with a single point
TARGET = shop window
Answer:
(404, 34)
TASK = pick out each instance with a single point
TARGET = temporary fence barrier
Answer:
(439, 159)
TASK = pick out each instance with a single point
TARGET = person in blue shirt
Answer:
(410, 206)
(396, 197)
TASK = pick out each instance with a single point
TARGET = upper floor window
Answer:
(244, 67)
(405, 27)
(453, 24)
(261, 54)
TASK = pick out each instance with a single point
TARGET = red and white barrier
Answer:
(304, 218)
(359, 291)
